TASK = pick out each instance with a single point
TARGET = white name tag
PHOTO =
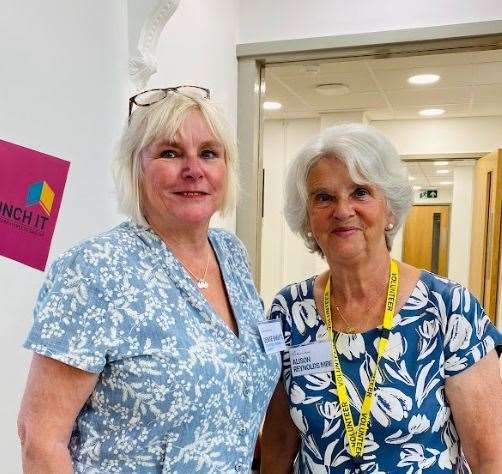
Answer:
(271, 336)
(311, 359)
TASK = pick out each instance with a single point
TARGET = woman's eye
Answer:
(168, 154)
(322, 197)
(208, 154)
(361, 192)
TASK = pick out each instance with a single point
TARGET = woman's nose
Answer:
(192, 168)
(343, 209)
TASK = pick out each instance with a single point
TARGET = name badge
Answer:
(311, 359)
(271, 336)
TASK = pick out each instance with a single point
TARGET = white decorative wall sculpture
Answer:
(143, 58)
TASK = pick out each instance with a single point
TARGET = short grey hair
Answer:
(164, 119)
(369, 157)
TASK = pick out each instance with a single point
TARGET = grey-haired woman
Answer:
(147, 356)
(389, 369)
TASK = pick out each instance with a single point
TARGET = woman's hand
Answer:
(280, 438)
(475, 397)
(54, 395)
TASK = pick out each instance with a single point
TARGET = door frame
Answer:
(253, 57)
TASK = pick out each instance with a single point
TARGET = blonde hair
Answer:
(164, 119)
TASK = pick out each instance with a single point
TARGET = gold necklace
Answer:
(201, 282)
(349, 328)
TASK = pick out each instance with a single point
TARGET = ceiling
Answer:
(470, 85)
(425, 173)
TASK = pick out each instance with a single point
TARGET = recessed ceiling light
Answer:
(431, 112)
(422, 79)
(441, 163)
(445, 183)
(411, 178)
(271, 105)
(417, 188)
(332, 89)
(442, 171)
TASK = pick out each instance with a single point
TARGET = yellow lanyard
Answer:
(357, 434)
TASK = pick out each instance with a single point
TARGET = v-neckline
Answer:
(224, 276)
(320, 316)
(185, 283)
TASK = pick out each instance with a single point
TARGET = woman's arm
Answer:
(280, 439)
(54, 394)
(475, 397)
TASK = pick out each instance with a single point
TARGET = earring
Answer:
(309, 235)
(389, 226)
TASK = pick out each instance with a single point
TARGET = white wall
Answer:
(264, 20)
(461, 222)
(64, 82)
(284, 257)
(65, 87)
(198, 47)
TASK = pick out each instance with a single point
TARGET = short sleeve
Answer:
(469, 333)
(71, 322)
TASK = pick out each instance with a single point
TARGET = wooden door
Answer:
(425, 240)
(486, 226)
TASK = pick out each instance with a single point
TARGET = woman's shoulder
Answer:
(93, 252)
(228, 242)
(299, 290)
(437, 285)
(223, 235)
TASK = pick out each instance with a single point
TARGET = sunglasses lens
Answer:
(150, 97)
(192, 91)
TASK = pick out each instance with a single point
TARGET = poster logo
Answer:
(41, 193)
(31, 188)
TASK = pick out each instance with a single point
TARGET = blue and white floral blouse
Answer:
(178, 391)
(440, 331)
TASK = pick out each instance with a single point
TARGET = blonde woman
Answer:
(147, 356)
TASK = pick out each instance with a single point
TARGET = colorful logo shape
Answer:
(41, 193)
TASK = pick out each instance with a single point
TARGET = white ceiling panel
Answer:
(490, 56)
(429, 97)
(358, 101)
(487, 73)
(487, 93)
(480, 109)
(470, 85)
(396, 79)
(459, 110)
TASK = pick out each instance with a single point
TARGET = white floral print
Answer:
(440, 331)
(178, 392)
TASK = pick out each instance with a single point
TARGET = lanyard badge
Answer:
(357, 434)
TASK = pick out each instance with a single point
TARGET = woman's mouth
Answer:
(191, 194)
(345, 231)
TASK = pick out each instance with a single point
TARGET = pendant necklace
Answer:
(201, 282)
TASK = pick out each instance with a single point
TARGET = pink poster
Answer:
(31, 189)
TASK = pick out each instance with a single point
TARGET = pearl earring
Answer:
(389, 226)
(309, 235)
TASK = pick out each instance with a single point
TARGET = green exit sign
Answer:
(429, 194)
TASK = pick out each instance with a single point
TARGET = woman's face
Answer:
(347, 219)
(184, 179)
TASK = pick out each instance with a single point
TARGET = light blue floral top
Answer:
(178, 391)
(440, 331)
